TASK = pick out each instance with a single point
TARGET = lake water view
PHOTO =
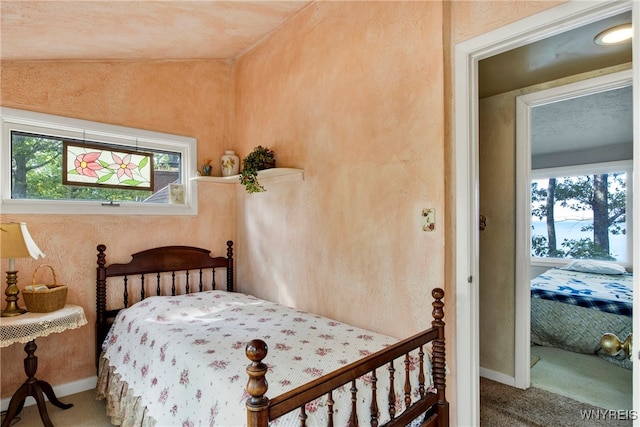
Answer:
(571, 230)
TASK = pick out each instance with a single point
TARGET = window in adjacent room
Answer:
(54, 164)
(582, 212)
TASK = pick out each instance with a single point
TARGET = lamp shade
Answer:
(16, 242)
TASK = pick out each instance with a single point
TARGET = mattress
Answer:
(604, 292)
(182, 358)
(572, 310)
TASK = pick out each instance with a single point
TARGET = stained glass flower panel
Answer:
(101, 166)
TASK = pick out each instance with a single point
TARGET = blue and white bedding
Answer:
(572, 310)
(605, 292)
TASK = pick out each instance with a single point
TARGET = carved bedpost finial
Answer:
(257, 386)
(101, 300)
(101, 283)
(229, 266)
(438, 312)
(101, 255)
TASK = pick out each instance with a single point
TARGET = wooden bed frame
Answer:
(260, 409)
(153, 262)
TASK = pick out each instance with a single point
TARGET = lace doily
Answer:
(29, 326)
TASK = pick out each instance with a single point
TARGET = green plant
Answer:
(260, 158)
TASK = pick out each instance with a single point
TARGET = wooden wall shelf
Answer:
(264, 176)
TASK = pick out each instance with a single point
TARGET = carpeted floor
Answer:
(500, 406)
(505, 406)
(86, 412)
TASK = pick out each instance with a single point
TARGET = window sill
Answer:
(66, 207)
(264, 176)
(559, 262)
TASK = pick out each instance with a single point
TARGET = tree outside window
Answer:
(580, 217)
(37, 168)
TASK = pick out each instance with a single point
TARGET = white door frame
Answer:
(524, 105)
(550, 22)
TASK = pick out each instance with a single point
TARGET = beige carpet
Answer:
(562, 385)
(505, 406)
(86, 412)
(500, 405)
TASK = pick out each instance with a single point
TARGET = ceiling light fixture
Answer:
(615, 35)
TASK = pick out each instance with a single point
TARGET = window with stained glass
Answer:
(93, 164)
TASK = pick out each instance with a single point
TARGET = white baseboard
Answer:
(60, 391)
(497, 376)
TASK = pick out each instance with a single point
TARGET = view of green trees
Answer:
(37, 173)
(603, 196)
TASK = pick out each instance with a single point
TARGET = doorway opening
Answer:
(567, 138)
(467, 55)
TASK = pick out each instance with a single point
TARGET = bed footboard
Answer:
(261, 410)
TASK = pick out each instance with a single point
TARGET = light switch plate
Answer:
(428, 219)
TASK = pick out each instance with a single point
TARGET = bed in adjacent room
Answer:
(180, 359)
(574, 306)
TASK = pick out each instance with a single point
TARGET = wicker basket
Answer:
(44, 301)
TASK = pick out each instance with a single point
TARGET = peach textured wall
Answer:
(186, 98)
(473, 18)
(358, 94)
(351, 93)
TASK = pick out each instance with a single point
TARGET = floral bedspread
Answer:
(184, 357)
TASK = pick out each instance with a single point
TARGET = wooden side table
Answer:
(25, 329)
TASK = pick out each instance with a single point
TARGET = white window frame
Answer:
(591, 169)
(64, 127)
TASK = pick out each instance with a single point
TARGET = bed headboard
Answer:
(146, 269)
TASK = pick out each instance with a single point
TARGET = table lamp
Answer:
(15, 242)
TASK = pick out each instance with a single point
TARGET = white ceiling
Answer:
(587, 122)
(137, 30)
(580, 123)
(565, 54)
